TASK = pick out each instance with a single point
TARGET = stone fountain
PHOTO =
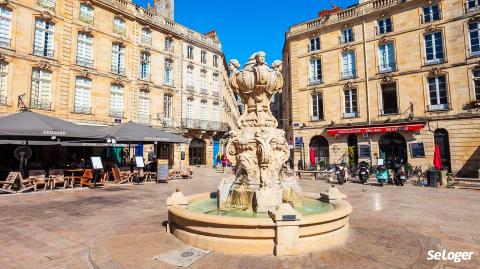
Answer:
(260, 210)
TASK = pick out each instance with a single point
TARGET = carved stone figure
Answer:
(258, 149)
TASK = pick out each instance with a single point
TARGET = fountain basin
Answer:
(261, 235)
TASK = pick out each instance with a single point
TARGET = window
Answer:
(350, 103)
(315, 43)
(167, 106)
(116, 101)
(41, 91)
(169, 44)
(83, 89)
(386, 57)
(431, 13)
(215, 60)
(203, 114)
(118, 59)
(347, 36)
(118, 26)
(216, 85)
(437, 88)
(44, 38)
(476, 80)
(145, 66)
(190, 77)
(473, 5)
(348, 65)
(389, 99)
(215, 112)
(146, 36)
(86, 13)
(168, 73)
(317, 106)
(315, 71)
(48, 4)
(144, 107)
(190, 108)
(5, 27)
(3, 82)
(85, 50)
(384, 26)
(434, 48)
(203, 81)
(190, 52)
(474, 30)
(203, 57)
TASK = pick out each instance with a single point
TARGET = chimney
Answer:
(165, 8)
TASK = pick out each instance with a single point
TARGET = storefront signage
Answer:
(56, 133)
(96, 163)
(417, 150)
(298, 141)
(363, 150)
(162, 170)
(377, 129)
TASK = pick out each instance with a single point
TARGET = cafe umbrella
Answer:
(131, 132)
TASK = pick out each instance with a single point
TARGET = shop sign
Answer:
(298, 141)
(363, 150)
(379, 129)
(417, 150)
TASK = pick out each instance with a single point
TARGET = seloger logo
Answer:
(60, 133)
(456, 257)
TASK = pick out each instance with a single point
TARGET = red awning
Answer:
(376, 129)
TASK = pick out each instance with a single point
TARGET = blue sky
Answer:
(247, 26)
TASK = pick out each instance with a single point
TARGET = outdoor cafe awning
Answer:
(384, 128)
(131, 132)
(64, 144)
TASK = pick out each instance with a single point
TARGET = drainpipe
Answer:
(365, 66)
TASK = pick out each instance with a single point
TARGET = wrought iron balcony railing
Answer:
(82, 109)
(433, 61)
(168, 82)
(439, 107)
(346, 39)
(147, 40)
(43, 51)
(216, 94)
(84, 62)
(471, 6)
(166, 122)
(5, 42)
(190, 88)
(315, 81)
(119, 30)
(389, 111)
(387, 68)
(350, 74)
(350, 115)
(48, 4)
(203, 91)
(146, 77)
(430, 17)
(204, 125)
(86, 18)
(3, 100)
(115, 113)
(170, 49)
(40, 105)
(144, 119)
(118, 70)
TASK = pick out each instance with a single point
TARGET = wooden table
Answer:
(72, 178)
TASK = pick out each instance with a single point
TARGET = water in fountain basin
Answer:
(208, 206)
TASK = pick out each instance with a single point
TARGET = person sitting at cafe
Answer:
(131, 164)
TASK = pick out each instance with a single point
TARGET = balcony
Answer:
(434, 61)
(428, 18)
(351, 74)
(146, 40)
(313, 48)
(471, 6)
(350, 115)
(387, 68)
(116, 113)
(5, 42)
(86, 18)
(346, 39)
(203, 91)
(316, 118)
(82, 110)
(438, 107)
(166, 122)
(146, 77)
(315, 81)
(40, 105)
(389, 111)
(377, 4)
(48, 4)
(43, 52)
(118, 70)
(3, 100)
(144, 119)
(190, 88)
(204, 125)
(216, 94)
(119, 30)
(383, 30)
(170, 49)
(168, 82)
(84, 62)
(474, 52)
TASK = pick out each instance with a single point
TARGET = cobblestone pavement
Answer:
(122, 227)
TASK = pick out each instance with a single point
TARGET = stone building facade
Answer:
(101, 62)
(387, 79)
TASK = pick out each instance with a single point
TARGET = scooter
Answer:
(363, 172)
(339, 173)
(382, 174)
(400, 176)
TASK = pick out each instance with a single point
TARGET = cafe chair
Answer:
(6, 186)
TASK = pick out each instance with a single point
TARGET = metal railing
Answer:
(428, 18)
(315, 81)
(190, 88)
(86, 18)
(433, 61)
(387, 68)
(48, 4)
(313, 48)
(474, 53)
(118, 70)
(119, 30)
(439, 107)
(84, 62)
(5, 42)
(384, 29)
(203, 91)
(82, 109)
(316, 118)
(346, 39)
(166, 122)
(146, 77)
(34, 104)
(170, 49)
(43, 51)
(389, 111)
(216, 94)
(115, 113)
(144, 119)
(3, 100)
(168, 82)
(204, 125)
(350, 115)
(351, 74)
(146, 40)
(471, 6)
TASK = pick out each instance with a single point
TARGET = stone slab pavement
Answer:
(122, 226)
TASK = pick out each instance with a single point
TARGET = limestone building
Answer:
(385, 79)
(102, 62)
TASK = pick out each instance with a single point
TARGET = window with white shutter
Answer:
(43, 44)
(3, 82)
(41, 91)
(5, 27)
(83, 95)
(85, 50)
(116, 101)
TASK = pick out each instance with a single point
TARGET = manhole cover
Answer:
(182, 257)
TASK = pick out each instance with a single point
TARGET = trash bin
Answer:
(432, 177)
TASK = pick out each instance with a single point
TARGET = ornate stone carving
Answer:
(145, 87)
(431, 28)
(118, 81)
(436, 71)
(84, 73)
(258, 149)
(44, 65)
(86, 2)
(87, 30)
(384, 39)
(46, 15)
(387, 79)
(348, 85)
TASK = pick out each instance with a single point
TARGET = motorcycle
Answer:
(363, 172)
(400, 176)
(340, 173)
(382, 174)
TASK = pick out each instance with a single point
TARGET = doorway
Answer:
(441, 139)
(352, 149)
(197, 151)
(321, 148)
(393, 148)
